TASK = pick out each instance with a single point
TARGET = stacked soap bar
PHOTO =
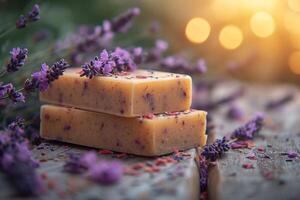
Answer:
(129, 94)
(147, 136)
(132, 112)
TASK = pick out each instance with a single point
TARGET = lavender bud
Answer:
(17, 60)
(34, 14)
(201, 66)
(4, 89)
(122, 22)
(21, 22)
(215, 150)
(16, 96)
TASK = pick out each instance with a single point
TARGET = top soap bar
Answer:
(127, 94)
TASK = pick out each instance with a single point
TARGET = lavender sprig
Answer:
(215, 150)
(43, 78)
(109, 63)
(31, 16)
(122, 22)
(250, 129)
(16, 160)
(17, 60)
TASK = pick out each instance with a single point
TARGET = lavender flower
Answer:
(17, 60)
(201, 66)
(106, 172)
(88, 159)
(4, 89)
(122, 22)
(109, 63)
(73, 165)
(217, 149)
(56, 70)
(34, 14)
(203, 173)
(156, 52)
(41, 79)
(250, 129)
(235, 112)
(16, 96)
(21, 22)
(17, 123)
(31, 16)
(16, 161)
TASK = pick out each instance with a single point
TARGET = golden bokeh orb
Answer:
(291, 22)
(231, 37)
(294, 62)
(197, 30)
(262, 24)
(294, 5)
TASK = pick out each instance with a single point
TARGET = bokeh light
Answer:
(291, 22)
(231, 37)
(294, 62)
(294, 5)
(262, 24)
(197, 30)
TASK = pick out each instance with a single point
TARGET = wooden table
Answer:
(273, 176)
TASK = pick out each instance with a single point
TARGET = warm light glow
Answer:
(294, 62)
(262, 24)
(231, 37)
(225, 9)
(259, 4)
(294, 5)
(197, 30)
(291, 22)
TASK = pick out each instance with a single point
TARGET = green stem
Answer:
(2, 73)
(6, 32)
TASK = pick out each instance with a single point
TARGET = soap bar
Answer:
(127, 94)
(151, 135)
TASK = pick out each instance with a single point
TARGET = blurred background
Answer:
(245, 40)
(256, 40)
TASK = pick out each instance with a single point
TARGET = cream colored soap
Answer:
(131, 94)
(153, 135)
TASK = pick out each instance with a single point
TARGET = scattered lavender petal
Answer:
(106, 172)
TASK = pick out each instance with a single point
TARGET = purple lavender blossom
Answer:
(215, 150)
(21, 22)
(4, 89)
(34, 14)
(16, 96)
(31, 16)
(109, 63)
(156, 52)
(16, 161)
(17, 123)
(106, 172)
(88, 159)
(41, 79)
(137, 54)
(250, 129)
(122, 22)
(17, 60)
(201, 66)
(56, 70)
(203, 173)
(73, 165)
(235, 112)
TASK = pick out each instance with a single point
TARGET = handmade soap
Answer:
(150, 135)
(128, 94)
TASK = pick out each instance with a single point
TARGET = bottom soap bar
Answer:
(152, 135)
